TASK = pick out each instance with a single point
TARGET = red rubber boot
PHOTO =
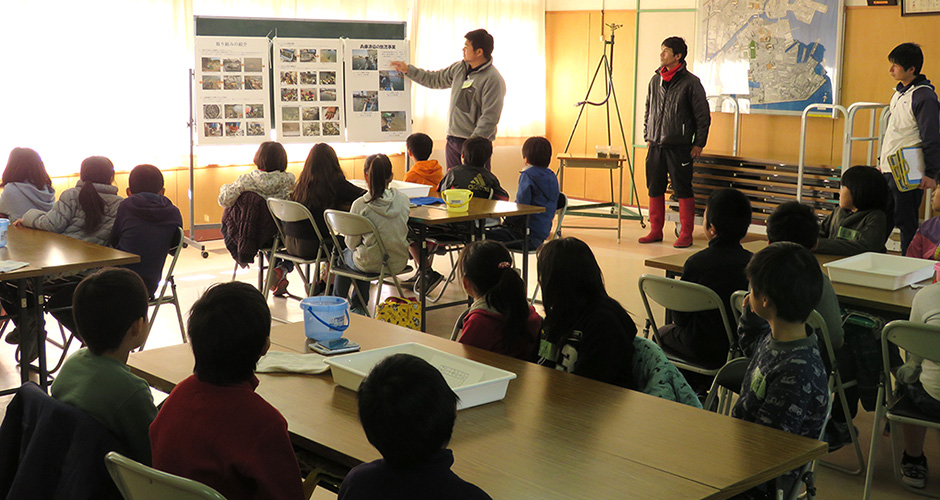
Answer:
(686, 222)
(657, 218)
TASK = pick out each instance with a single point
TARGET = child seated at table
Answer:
(26, 185)
(214, 428)
(538, 186)
(700, 337)
(919, 379)
(860, 223)
(147, 224)
(407, 411)
(388, 210)
(926, 242)
(500, 318)
(110, 309)
(785, 384)
(472, 174)
(424, 170)
(270, 180)
(586, 331)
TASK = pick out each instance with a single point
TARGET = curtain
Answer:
(110, 77)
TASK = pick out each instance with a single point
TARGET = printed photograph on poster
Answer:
(231, 87)
(308, 72)
(378, 98)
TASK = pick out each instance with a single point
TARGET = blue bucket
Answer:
(325, 317)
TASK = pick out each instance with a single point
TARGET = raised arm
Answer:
(441, 79)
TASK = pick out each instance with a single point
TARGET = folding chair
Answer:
(918, 339)
(737, 305)
(249, 214)
(295, 220)
(169, 298)
(560, 211)
(136, 481)
(729, 377)
(689, 297)
(347, 224)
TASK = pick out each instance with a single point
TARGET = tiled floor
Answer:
(622, 264)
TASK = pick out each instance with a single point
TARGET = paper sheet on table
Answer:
(11, 265)
(291, 362)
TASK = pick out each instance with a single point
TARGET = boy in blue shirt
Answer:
(110, 309)
(785, 385)
(537, 186)
(407, 412)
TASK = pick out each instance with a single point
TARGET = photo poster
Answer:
(378, 98)
(232, 90)
(308, 91)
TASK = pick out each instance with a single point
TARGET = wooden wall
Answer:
(573, 47)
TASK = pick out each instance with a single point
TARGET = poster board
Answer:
(378, 98)
(309, 89)
(232, 82)
(265, 30)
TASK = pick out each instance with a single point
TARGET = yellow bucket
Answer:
(457, 200)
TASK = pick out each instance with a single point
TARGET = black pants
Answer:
(906, 206)
(677, 162)
(453, 151)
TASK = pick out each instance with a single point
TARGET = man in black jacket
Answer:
(675, 128)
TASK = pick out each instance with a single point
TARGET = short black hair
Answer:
(407, 410)
(477, 151)
(537, 151)
(271, 157)
(908, 55)
(795, 222)
(145, 179)
(678, 46)
(481, 39)
(868, 187)
(106, 304)
(789, 275)
(228, 331)
(420, 145)
(729, 211)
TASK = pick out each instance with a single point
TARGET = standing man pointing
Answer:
(476, 92)
(675, 128)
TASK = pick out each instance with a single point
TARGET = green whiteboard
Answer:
(298, 28)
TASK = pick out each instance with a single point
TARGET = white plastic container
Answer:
(878, 270)
(410, 189)
(475, 383)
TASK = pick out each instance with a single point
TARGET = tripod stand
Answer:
(615, 163)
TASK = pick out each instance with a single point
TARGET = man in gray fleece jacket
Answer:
(476, 92)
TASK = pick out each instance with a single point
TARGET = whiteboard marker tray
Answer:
(878, 270)
(475, 383)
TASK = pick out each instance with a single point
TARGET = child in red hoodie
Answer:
(500, 318)
(424, 171)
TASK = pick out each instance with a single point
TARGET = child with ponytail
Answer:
(86, 211)
(500, 318)
(388, 210)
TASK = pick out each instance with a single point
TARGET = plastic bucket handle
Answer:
(309, 308)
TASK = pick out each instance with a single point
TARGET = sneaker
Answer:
(13, 337)
(434, 278)
(362, 311)
(914, 471)
(279, 288)
(837, 435)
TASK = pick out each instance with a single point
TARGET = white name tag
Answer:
(467, 84)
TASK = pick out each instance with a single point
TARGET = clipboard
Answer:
(907, 168)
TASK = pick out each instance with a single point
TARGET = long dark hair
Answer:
(25, 165)
(316, 186)
(487, 264)
(378, 170)
(572, 283)
(95, 170)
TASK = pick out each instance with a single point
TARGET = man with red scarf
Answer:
(675, 128)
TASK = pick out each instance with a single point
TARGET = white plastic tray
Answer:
(878, 270)
(475, 383)
(410, 189)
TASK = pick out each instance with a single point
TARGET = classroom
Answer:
(215, 99)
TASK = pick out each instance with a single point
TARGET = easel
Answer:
(570, 161)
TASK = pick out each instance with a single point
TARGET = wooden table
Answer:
(611, 164)
(554, 436)
(896, 302)
(50, 254)
(479, 210)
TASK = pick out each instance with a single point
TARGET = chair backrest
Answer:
(817, 323)
(915, 338)
(177, 250)
(681, 296)
(346, 224)
(560, 211)
(737, 304)
(139, 482)
(291, 211)
(729, 377)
